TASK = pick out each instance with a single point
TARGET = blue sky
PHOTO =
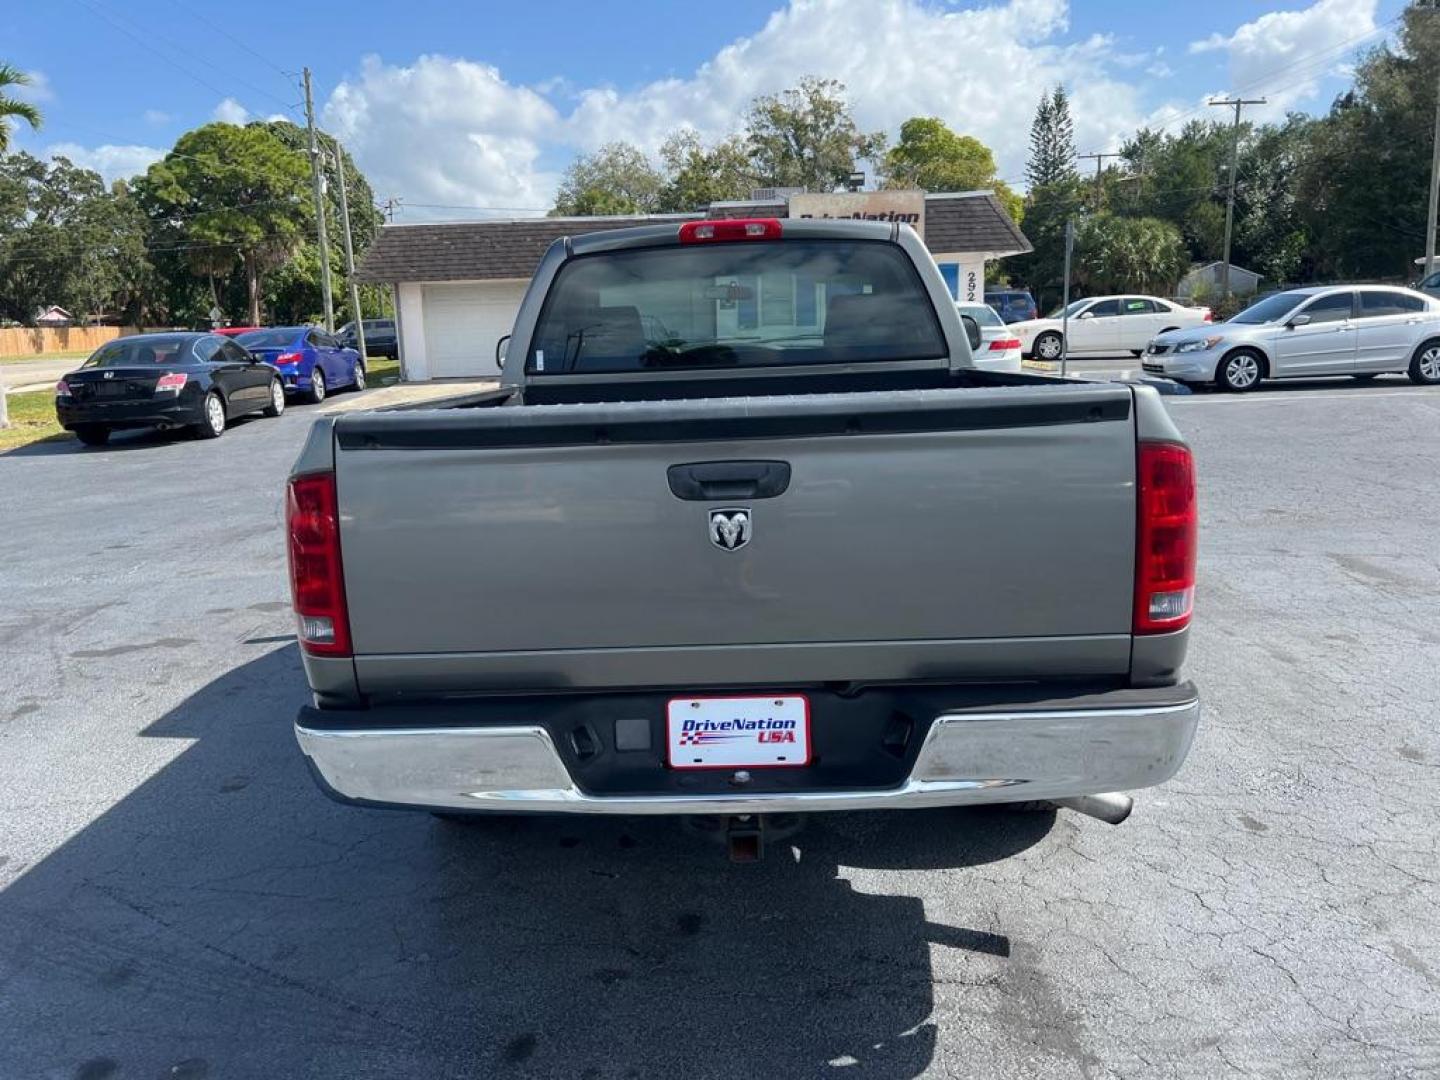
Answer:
(460, 107)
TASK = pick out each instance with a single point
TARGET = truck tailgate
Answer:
(951, 533)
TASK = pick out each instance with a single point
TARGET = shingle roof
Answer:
(487, 250)
(473, 250)
(971, 221)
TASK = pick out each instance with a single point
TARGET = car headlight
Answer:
(1203, 345)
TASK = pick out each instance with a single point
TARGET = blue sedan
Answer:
(310, 361)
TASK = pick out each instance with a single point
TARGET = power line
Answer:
(1099, 186)
(177, 59)
(288, 75)
(1318, 59)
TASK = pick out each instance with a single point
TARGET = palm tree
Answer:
(13, 107)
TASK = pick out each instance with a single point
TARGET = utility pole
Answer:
(317, 179)
(1237, 104)
(349, 253)
(1099, 185)
(1434, 9)
(388, 208)
(1065, 299)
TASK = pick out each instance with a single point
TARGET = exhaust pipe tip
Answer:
(1111, 807)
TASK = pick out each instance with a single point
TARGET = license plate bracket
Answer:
(738, 732)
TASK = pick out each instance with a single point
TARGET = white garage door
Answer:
(463, 324)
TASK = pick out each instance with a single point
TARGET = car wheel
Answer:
(93, 434)
(1425, 365)
(277, 399)
(213, 424)
(359, 376)
(1049, 346)
(1240, 371)
(317, 386)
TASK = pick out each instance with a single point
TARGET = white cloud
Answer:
(446, 131)
(111, 162)
(157, 117)
(230, 111)
(1284, 55)
(454, 131)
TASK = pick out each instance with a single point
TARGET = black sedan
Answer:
(195, 381)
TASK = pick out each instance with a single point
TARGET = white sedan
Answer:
(1106, 324)
(999, 348)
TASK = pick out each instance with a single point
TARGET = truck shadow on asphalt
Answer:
(225, 919)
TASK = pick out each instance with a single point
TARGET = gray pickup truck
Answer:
(744, 532)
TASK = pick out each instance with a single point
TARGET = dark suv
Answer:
(380, 338)
(1012, 305)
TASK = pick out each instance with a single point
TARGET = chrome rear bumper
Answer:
(968, 757)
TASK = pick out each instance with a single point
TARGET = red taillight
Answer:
(62, 389)
(1209, 315)
(170, 383)
(1165, 538)
(316, 583)
(1004, 344)
(288, 358)
(709, 232)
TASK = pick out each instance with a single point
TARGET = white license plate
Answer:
(738, 732)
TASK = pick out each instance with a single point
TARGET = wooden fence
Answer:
(38, 340)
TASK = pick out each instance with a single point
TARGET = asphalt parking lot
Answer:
(177, 900)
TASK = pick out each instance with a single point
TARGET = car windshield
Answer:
(983, 314)
(139, 351)
(1271, 309)
(755, 303)
(268, 339)
(1063, 312)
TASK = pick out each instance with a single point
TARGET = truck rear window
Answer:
(745, 304)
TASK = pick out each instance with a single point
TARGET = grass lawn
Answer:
(72, 355)
(32, 419)
(382, 371)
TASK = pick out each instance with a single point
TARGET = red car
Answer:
(234, 331)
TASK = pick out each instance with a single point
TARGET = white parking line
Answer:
(1280, 397)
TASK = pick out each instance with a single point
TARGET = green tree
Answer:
(226, 195)
(1365, 182)
(65, 239)
(1128, 254)
(616, 179)
(806, 137)
(12, 108)
(699, 175)
(932, 157)
(1052, 141)
(1181, 179)
(1047, 209)
(1272, 235)
(292, 292)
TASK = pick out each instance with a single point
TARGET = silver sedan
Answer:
(1356, 330)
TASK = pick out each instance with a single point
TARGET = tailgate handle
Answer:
(707, 481)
